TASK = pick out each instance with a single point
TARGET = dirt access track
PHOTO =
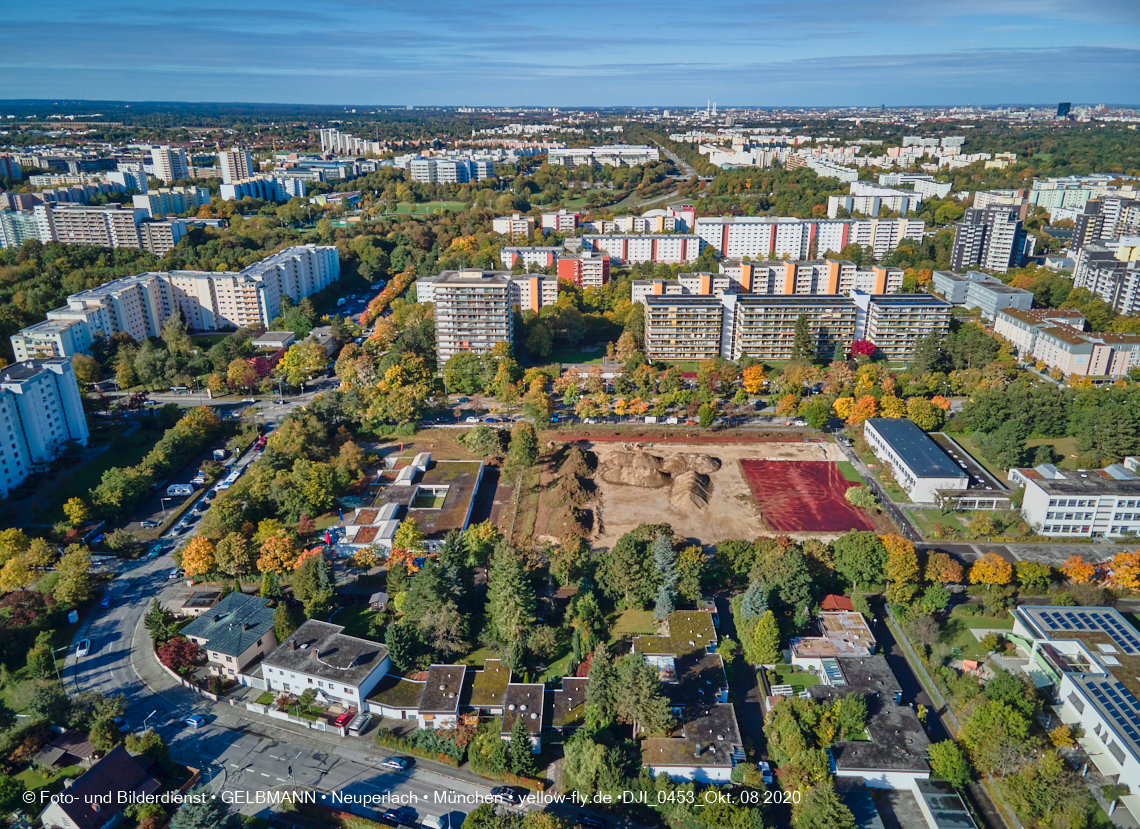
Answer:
(732, 511)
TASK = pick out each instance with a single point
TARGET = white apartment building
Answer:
(542, 257)
(982, 291)
(1057, 338)
(236, 164)
(167, 200)
(585, 268)
(562, 221)
(267, 187)
(125, 179)
(992, 238)
(615, 155)
(161, 237)
(472, 310)
(1094, 503)
(631, 249)
(170, 163)
(826, 169)
(772, 237)
(868, 199)
(16, 226)
(515, 226)
(1112, 272)
(139, 305)
(77, 224)
(533, 292)
(40, 412)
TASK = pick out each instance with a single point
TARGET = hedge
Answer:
(436, 748)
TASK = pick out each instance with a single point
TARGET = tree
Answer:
(924, 414)
(1034, 575)
(286, 619)
(822, 809)
(935, 597)
(104, 735)
(803, 342)
(601, 692)
(705, 415)
(198, 556)
(991, 569)
(862, 497)
(49, 703)
(523, 451)
(202, 813)
(73, 570)
(927, 357)
(638, 695)
(278, 554)
(850, 714)
(234, 555)
(859, 557)
(1077, 570)
(948, 763)
(518, 752)
(270, 586)
(150, 744)
(178, 654)
(11, 793)
(409, 536)
(483, 440)
(752, 379)
(77, 511)
(160, 622)
(511, 604)
(764, 648)
(302, 361)
(754, 603)
(901, 567)
(940, 567)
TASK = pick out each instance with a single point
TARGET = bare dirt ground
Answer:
(732, 511)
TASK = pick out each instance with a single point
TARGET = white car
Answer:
(84, 647)
(765, 772)
(398, 763)
(175, 574)
(471, 420)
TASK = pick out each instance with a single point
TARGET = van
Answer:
(359, 724)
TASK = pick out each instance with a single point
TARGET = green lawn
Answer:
(970, 446)
(790, 675)
(1005, 621)
(356, 620)
(557, 668)
(849, 473)
(958, 632)
(1064, 447)
(925, 519)
(266, 698)
(632, 622)
(34, 779)
(479, 657)
(127, 451)
(589, 355)
(208, 340)
(429, 501)
(428, 207)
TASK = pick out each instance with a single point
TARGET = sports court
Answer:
(803, 496)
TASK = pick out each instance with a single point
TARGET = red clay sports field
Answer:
(803, 496)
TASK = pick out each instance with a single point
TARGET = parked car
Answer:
(765, 772)
(491, 420)
(175, 574)
(156, 551)
(148, 524)
(398, 763)
(461, 400)
(400, 816)
(105, 601)
(249, 400)
(505, 794)
(344, 719)
(195, 721)
(121, 724)
(471, 420)
(84, 647)
(359, 724)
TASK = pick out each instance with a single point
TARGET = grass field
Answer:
(356, 619)
(591, 355)
(925, 519)
(958, 632)
(426, 207)
(632, 622)
(34, 779)
(790, 675)
(1064, 447)
(127, 451)
(208, 340)
(971, 446)
(557, 668)
(849, 473)
(479, 657)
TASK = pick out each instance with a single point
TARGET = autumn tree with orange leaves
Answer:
(198, 556)
(901, 568)
(1077, 570)
(991, 569)
(865, 408)
(753, 379)
(941, 567)
(278, 554)
(1126, 570)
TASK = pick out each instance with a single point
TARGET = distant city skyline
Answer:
(765, 53)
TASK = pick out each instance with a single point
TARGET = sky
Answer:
(585, 53)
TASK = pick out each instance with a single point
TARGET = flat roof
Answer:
(568, 703)
(395, 691)
(943, 804)
(687, 631)
(324, 651)
(525, 700)
(924, 457)
(488, 688)
(898, 741)
(461, 479)
(1088, 483)
(710, 736)
(442, 689)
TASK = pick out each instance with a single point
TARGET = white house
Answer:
(318, 655)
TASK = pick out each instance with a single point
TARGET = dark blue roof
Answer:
(924, 457)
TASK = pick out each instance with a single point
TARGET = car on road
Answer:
(492, 420)
(156, 551)
(433, 822)
(195, 721)
(175, 574)
(400, 816)
(461, 400)
(765, 772)
(506, 794)
(84, 647)
(148, 524)
(470, 419)
(106, 601)
(281, 402)
(121, 724)
(249, 400)
(398, 763)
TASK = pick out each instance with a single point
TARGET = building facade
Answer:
(516, 226)
(236, 164)
(1112, 273)
(896, 322)
(586, 269)
(170, 163)
(613, 155)
(166, 200)
(319, 656)
(1096, 503)
(561, 221)
(630, 249)
(472, 311)
(992, 238)
(1056, 338)
(767, 238)
(919, 465)
(41, 412)
(539, 257)
(979, 290)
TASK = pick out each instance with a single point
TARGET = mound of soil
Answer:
(633, 469)
(690, 491)
(694, 461)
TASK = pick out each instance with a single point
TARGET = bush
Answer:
(862, 497)
(424, 743)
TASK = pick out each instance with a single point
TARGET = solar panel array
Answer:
(1120, 705)
(1094, 620)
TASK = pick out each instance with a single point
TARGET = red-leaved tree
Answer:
(862, 348)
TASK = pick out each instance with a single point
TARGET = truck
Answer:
(221, 454)
(179, 489)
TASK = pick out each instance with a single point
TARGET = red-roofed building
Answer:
(834, 602)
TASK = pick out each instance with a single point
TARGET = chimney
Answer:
(292, 645)
(697, 749)
(316, 654)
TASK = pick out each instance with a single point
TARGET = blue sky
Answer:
(665, 53)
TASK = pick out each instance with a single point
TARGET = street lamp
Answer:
(56, 664)
(147, 717)
(162, 503)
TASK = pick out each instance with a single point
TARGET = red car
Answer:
(344, 718)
